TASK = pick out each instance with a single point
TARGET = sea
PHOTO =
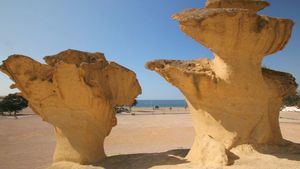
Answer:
(161, 103)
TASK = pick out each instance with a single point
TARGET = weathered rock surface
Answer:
(233, 100)
(254, 5)
(76, 92)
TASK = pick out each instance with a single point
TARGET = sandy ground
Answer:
(158, 139)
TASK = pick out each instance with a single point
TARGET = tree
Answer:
(134, 103)
(13, 103)
(2, 110)
(292, 100)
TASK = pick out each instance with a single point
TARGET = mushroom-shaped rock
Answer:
(232, 99)
(254, 5)
(76, 92)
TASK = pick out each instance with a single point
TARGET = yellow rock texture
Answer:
(76, 92)
(233, 100)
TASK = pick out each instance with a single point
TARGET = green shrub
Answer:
(12, 103)
(292, 100)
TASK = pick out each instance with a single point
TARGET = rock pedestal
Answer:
(76, 92)
(233, 100)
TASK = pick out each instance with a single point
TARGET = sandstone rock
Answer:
(254, 5)
(76, 92)
(232, 99)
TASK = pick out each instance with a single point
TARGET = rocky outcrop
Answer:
(76, 92)
(233, 100)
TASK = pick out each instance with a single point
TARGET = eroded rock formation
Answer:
(233, 100)
(75, 92)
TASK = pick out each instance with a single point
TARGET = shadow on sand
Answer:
(289, 151)
(176, 157)
(145, 160)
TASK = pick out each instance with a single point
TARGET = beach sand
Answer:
(148, 139)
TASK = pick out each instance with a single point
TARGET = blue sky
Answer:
(129, 32)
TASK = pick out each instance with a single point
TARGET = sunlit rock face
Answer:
(76, 92)
(232, 99)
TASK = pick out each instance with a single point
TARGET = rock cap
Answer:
(254, 5)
